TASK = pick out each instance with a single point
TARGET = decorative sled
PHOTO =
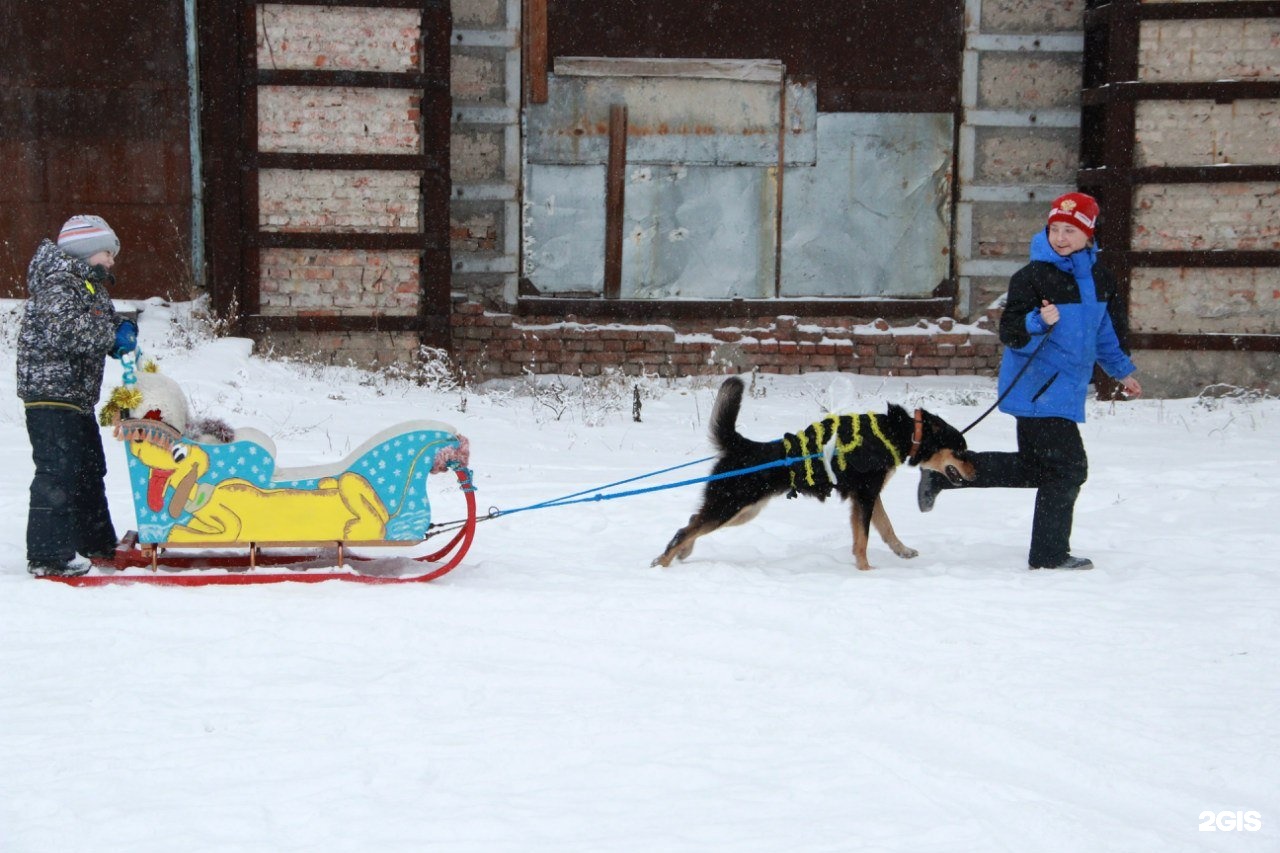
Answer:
(215, 512)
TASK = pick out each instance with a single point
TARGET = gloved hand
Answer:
(126, 338)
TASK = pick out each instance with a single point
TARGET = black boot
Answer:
(72, 568)
(1069, 563)
(931, 482)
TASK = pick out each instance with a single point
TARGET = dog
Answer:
(862, 452)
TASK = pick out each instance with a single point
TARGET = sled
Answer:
(221, 513)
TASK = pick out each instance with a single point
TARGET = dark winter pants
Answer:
(1051, 460)
(68, 510)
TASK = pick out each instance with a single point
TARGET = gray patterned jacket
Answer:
(68, 329)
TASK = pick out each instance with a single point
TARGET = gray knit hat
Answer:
(83, 236)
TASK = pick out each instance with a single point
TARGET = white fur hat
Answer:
(163, 400)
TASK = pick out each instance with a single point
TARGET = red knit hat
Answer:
(1077, 208)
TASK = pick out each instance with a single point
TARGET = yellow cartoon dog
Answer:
(341, 508)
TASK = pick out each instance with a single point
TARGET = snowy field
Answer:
(554, 693)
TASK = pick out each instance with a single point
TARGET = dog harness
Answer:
(848, 432)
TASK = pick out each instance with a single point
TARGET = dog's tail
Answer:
(724, 416)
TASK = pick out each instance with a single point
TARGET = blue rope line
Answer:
(576, 499)
(621, 482)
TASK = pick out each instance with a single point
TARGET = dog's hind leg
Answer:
(880, 519)
(700, 524)
(681, 545)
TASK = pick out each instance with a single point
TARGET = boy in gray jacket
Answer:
(68, 329)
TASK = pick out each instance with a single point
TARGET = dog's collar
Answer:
(917, 434)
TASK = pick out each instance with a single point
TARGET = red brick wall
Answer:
(489, 345)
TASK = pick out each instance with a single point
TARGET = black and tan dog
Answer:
(852, 454)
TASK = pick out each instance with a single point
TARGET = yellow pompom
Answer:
(121, 398)
(127, 397)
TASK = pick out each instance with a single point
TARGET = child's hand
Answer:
(1048, 312)
(126, 338)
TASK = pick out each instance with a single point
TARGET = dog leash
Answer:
(1014, 383)
(578, 497)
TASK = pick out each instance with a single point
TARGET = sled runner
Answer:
(217, 510)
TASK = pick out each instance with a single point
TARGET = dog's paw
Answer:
(906, 553)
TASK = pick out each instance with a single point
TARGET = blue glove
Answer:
(126, 338)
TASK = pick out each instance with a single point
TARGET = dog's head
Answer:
(938, 446)
(175, 466)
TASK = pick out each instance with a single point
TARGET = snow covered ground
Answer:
(555, 693)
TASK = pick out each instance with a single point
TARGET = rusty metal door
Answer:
(94, 119)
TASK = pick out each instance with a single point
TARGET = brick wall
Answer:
(338, 201)
(1033, 156)
(1192, 50)
(348, 38)
(1213, 301)
(1207, 216)
(1173, 217)
(1031, 16)
(338, 120)
(370, 350)
(312, 282)
(1025, 81)
(491, 344)
(1195, 133)
(1019, 135)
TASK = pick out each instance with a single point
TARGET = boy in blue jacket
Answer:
(1058, 322)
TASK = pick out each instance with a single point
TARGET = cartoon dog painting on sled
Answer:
(226, 489)
(343, 508)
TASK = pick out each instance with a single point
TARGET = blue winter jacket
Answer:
(1057, 381)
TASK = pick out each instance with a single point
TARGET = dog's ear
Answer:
(181, 493)
(941, 434)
